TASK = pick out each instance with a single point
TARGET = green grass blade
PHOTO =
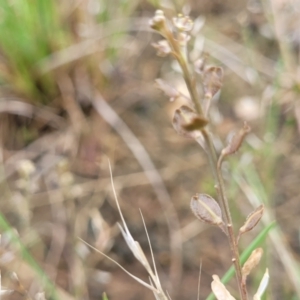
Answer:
(104, 296)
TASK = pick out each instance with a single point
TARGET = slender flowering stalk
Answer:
(191, 122)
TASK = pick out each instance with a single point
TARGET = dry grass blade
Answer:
(199, 281)
(137, 251)
(152, 256)
(115, 262)
(109, 115)
(92, 45)
(233, 56)
(262, 286)
(135, 246)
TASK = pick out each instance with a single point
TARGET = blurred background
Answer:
(77, 88)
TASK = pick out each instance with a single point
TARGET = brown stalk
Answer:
(212, 156)
(211, 152)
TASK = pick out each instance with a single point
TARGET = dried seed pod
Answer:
(207, 209)
(251, 221)
(236, 140)
(187, 122)
(212, 80)
(220, 290)
(251, 263)
(166, 88)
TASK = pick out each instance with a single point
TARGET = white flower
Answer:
(183, 23)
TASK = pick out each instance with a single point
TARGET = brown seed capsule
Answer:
(236, 140)
(251, 262)
(187, 122)
(252, 219)
(206, 209)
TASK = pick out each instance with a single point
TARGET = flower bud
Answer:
(158, 22)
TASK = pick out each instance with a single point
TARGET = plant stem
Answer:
(211, 152)
(212, 156)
